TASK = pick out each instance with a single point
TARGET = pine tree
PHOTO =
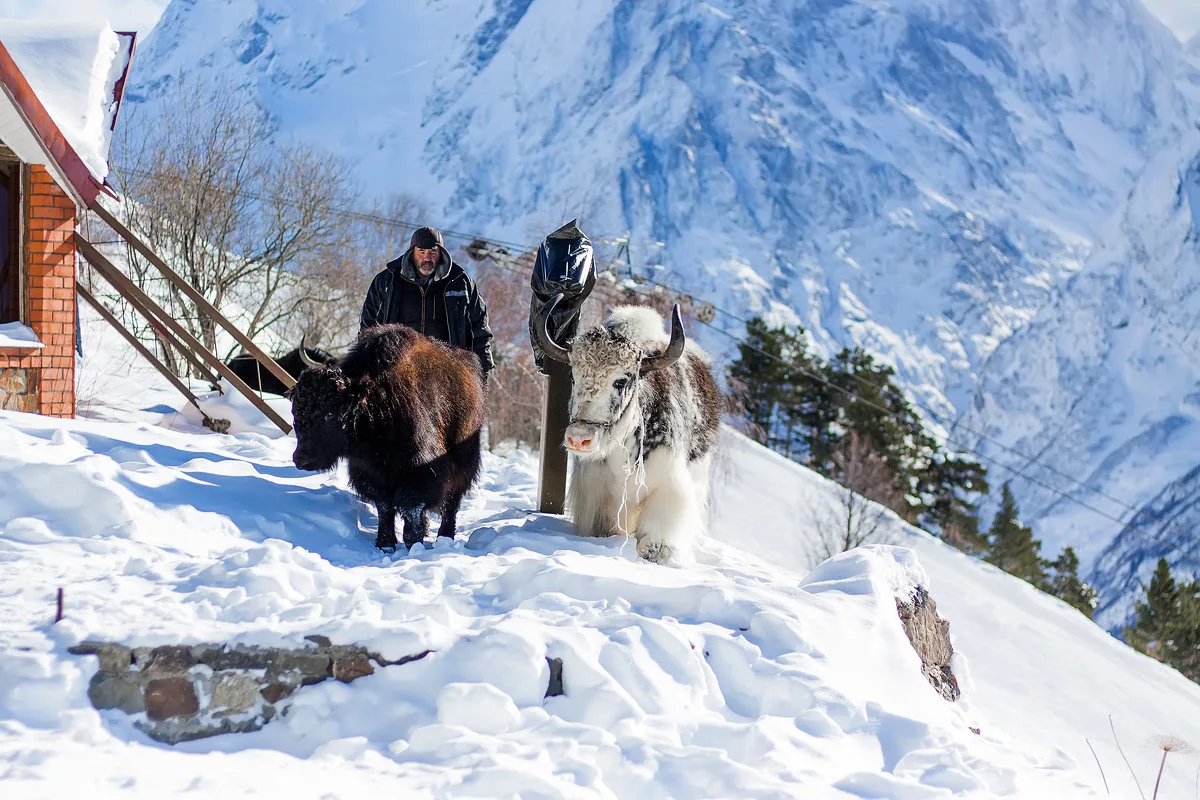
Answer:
(1066, 585)
(1159, 616)
(1013, 548)
(757, 377)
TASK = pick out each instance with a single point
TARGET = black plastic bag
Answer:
(563, 266)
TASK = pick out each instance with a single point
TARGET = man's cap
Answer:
(426, 238)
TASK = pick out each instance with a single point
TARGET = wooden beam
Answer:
(195, 296)
(107, 316)
(126, 288)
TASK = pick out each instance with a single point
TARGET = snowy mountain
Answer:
(920, 178)
(745, 675)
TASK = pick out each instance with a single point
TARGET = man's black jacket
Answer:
(448, 307)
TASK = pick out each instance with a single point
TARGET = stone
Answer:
(114, 658)
(318, 640)
(241, 658)
(234, 693)
(171, 697)
(383, 662)
(555, 688)
(206, 653)
(929, 635)
(123, 691)
(352, 667)
(141, 657)
(274, 692)
(169, 660)
(174, 731)
(13, 381)
(312, 667)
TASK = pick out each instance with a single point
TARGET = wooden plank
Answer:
(165, 332)
(107, 316)
(128, 289)
(195, 296)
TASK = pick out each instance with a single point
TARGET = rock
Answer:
(171, 697)
(555, 689)
(241, 658)
(312, 667)
(383, 662)
(319, 640)
(354, 666)
(174, 731)
(113, 657)
(274, 692)
(169, 660)
(141, 657)
(123, 691)
(233, 694)
(930, 637)
(206, 654)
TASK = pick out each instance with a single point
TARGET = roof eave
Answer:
(82, 184)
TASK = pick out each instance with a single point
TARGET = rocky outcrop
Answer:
(930, 637)
(177, 693)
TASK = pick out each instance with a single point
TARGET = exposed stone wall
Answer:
(49, 372)
(18, 390)
(930, 637)
(178, 693)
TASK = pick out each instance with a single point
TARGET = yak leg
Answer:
(416, 525)
(386, 538)
(450, 514)
(671, 514)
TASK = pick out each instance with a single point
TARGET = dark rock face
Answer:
(930, 637)
(190, 692)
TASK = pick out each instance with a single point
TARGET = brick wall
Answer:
(49, 373)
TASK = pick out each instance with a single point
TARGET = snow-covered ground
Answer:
(745, 675)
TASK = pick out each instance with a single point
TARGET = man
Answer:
(425, 290)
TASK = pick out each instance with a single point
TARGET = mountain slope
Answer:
(1106, 376)
(912, 177)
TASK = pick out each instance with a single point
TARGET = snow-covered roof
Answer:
(76, 72)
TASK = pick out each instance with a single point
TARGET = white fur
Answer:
(656, 497)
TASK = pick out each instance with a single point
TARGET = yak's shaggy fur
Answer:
(405, 412)
(644, 471)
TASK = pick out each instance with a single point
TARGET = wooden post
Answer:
(552, 478)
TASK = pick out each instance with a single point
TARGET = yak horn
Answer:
(308, 361)
(551, 348)
(674, 349)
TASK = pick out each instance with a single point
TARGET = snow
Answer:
(14, 334)
(747, 674)
(72, 67)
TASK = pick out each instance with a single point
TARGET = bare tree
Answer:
(516, 386)
(858, 514)
(262, 229)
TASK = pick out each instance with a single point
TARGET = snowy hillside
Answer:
(743, 676)
(920, 178)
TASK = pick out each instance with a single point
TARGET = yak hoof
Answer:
(654, 552)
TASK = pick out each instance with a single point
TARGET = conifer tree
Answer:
(1159, 616)
(1065, 584)
(1013, 548)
